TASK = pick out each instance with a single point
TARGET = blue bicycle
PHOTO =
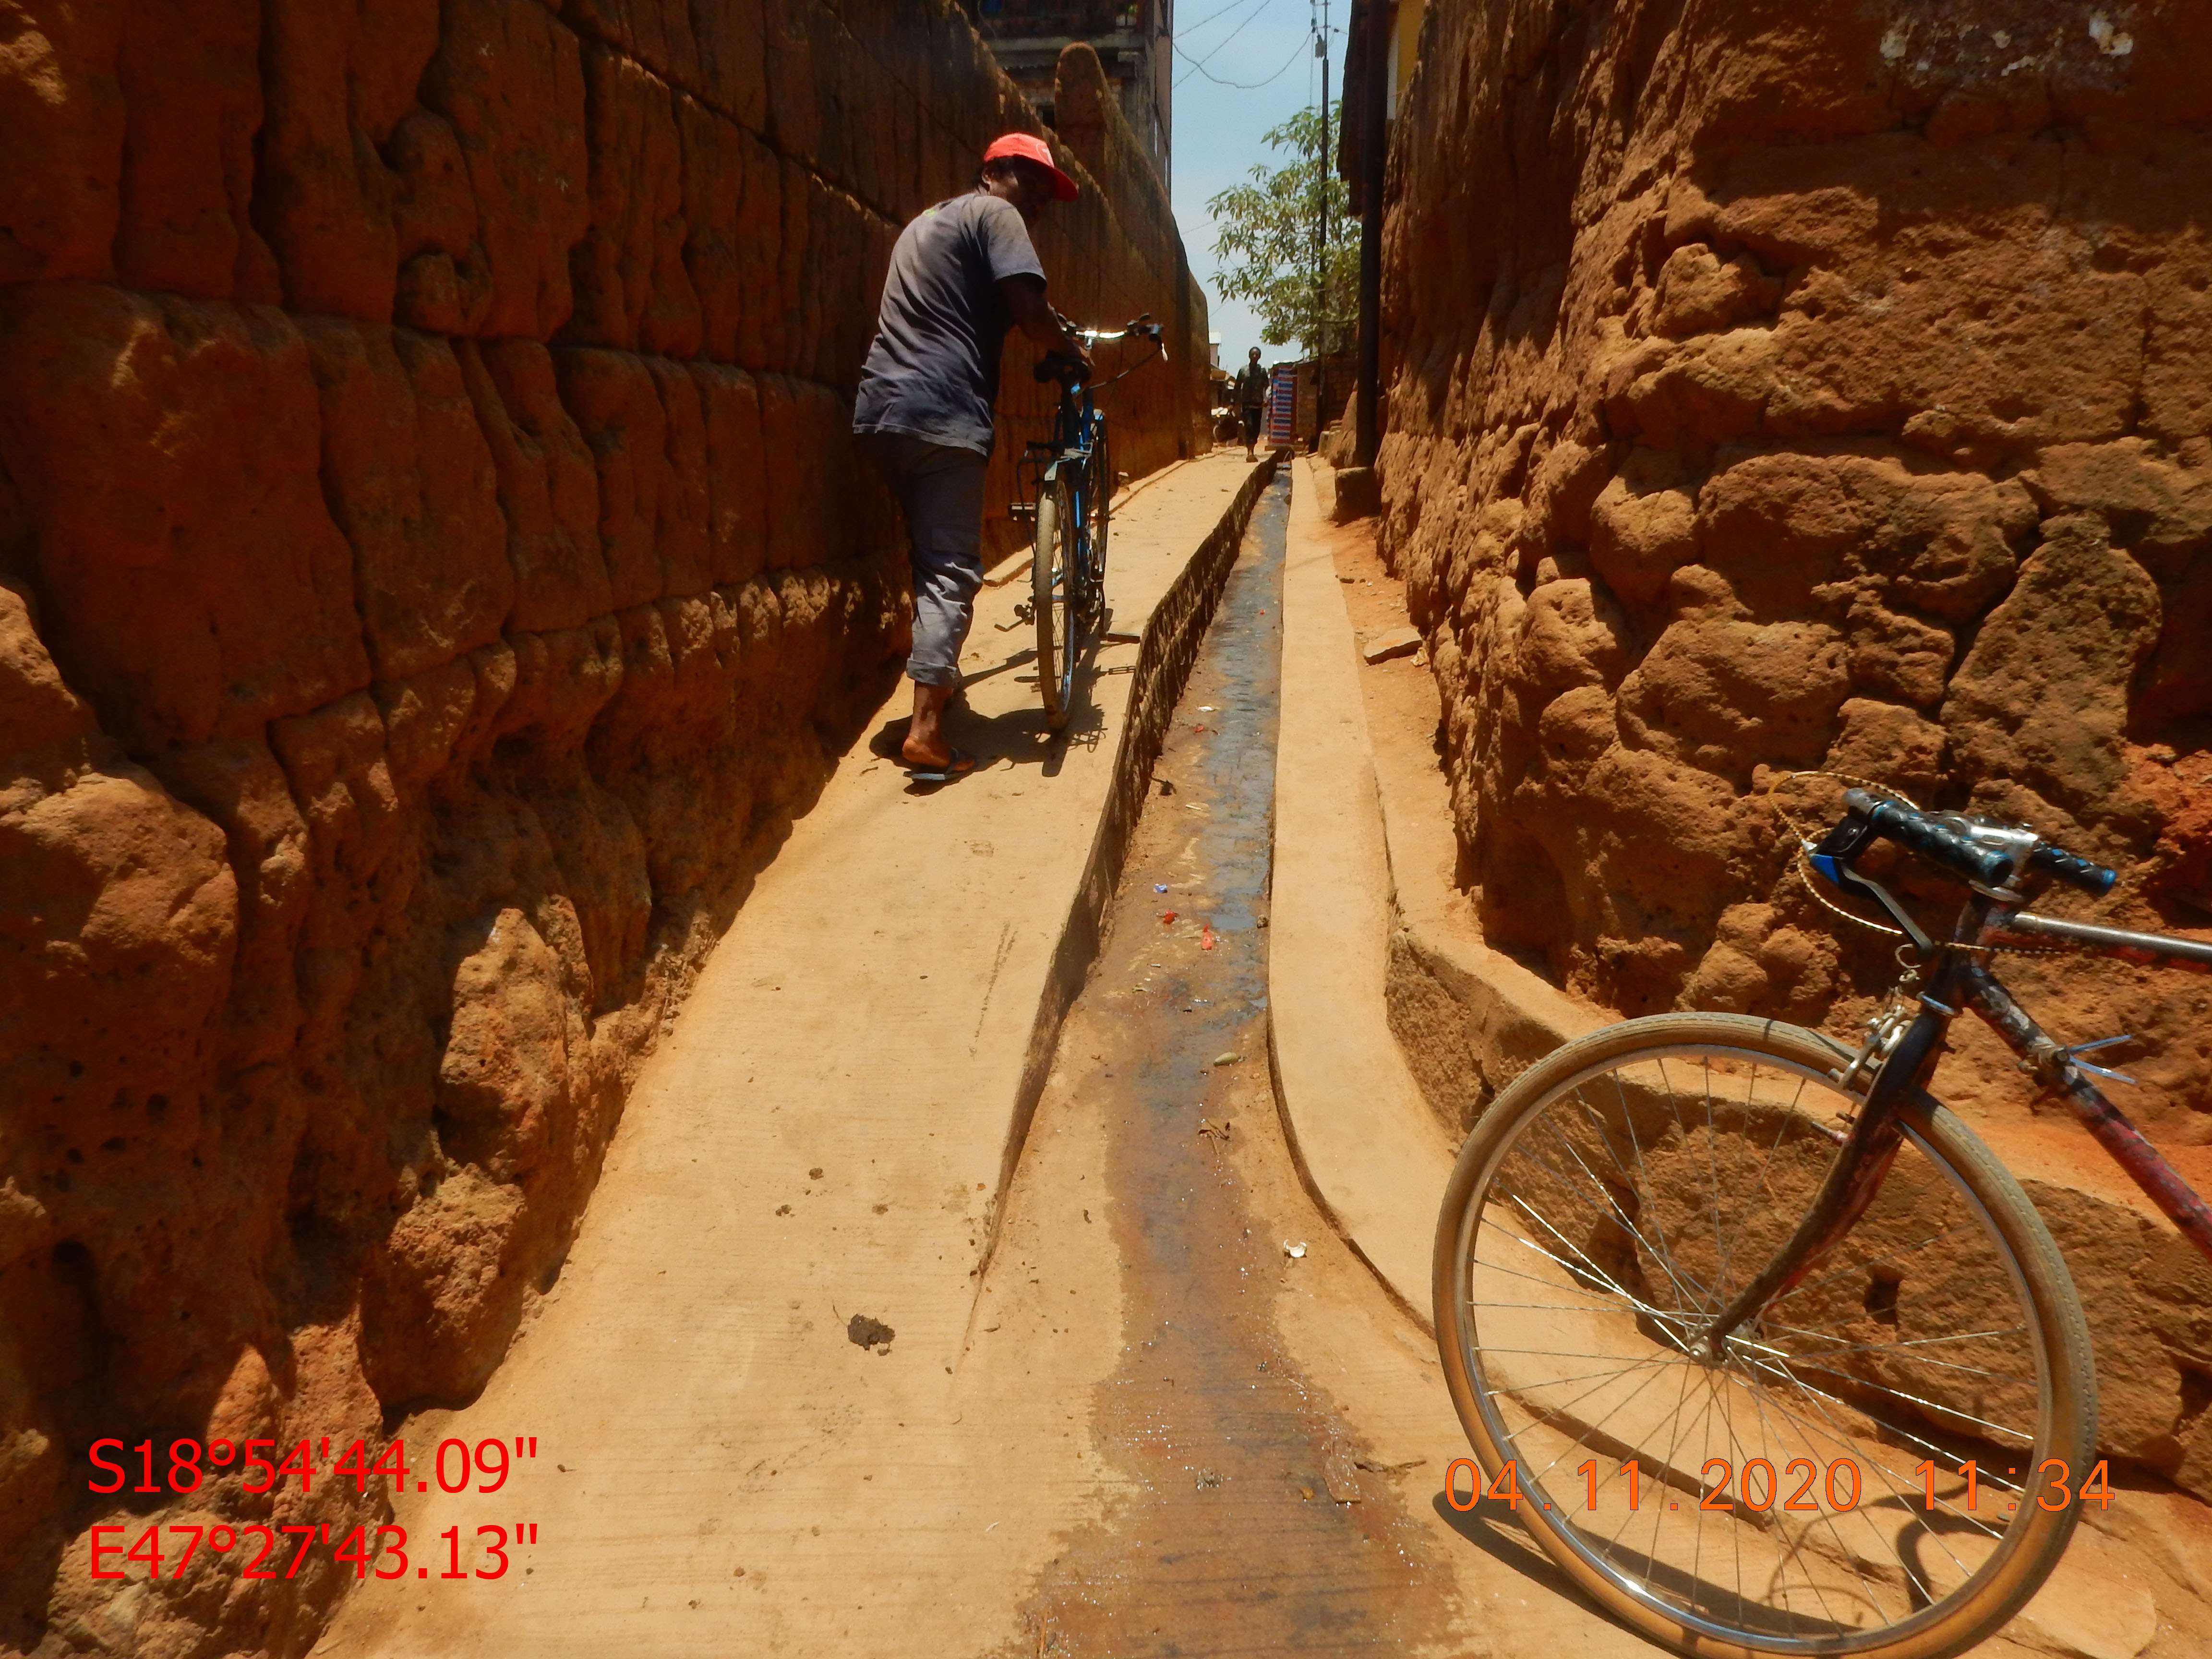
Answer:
(1071, 501)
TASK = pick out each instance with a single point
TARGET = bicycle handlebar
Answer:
(1143, 328)
(1052, 367)
(2092, 878)
(1932, 841)
(1957, 852)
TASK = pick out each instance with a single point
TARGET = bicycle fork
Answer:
(1868, 1150)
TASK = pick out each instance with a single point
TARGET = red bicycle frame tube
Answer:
(1960, 979)
(2055, 1065)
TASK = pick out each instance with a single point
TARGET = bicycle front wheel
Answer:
(1054, 597)
(1102, 514)
(1884, 1464)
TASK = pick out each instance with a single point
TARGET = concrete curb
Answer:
(1164, 656)
(1369, 1149)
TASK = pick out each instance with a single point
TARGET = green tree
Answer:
(1268, 240)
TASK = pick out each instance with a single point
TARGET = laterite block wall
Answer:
(434, 572)
(1779, 385)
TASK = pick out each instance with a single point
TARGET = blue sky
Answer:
(1217, 128)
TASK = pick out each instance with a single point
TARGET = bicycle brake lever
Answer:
(1832, 869)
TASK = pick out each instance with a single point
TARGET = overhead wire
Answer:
(1197, 68)
(1209, 17)
(1198, 64)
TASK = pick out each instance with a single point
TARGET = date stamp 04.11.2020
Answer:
(1800, 1483)
(279, 1551)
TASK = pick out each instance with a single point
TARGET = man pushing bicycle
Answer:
(962, 273)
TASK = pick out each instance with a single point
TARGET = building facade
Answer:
(1132, 38)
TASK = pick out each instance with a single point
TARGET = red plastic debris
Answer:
(1206, 938)
(1170, 916)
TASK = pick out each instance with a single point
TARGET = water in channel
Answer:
(1224, 1534)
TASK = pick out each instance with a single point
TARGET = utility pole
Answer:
(1320, 250)
(1374, 139)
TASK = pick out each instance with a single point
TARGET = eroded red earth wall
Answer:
(1779, 385)
(433, 571)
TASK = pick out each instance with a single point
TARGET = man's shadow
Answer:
(1018, 737)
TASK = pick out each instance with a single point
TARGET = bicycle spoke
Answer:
(1656, 1367)
(1591, 1267)
(1643, 1184)
(1819, 1593)
(1921, 1342)
(1914, 1442)
(1925, 1403)
(1849, 1447)
(1617, 1212)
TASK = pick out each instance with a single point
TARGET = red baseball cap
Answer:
(1030, 148)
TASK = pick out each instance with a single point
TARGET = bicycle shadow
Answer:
(1491, 1527)
(1018, 737)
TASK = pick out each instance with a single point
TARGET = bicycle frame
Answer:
(1076, 426)
(1068, 459)
(1960, 979)
(1068, 595)
(1075, 441)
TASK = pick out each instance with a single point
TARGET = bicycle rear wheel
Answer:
(1802, 1494)
(1054, 596)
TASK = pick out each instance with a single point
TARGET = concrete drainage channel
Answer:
(1170, 645)
(1246, 1514)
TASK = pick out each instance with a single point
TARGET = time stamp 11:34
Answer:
(270, 1552)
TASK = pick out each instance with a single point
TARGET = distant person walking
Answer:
(962, 274)
(1252, 382)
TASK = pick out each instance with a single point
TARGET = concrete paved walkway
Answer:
(789, 1398)
(822, 1139)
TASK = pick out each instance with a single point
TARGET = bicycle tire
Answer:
(1102, 514)
(1503, 1219)
(1052, 597)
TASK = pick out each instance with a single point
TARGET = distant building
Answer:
(1131, 37)
(1401, 20)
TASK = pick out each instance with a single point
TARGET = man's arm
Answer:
(1025, 304)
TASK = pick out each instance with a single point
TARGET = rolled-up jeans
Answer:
(940, 489)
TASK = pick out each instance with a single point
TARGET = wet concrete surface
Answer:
(1243, 1520)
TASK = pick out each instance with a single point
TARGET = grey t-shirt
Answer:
(934, 370)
